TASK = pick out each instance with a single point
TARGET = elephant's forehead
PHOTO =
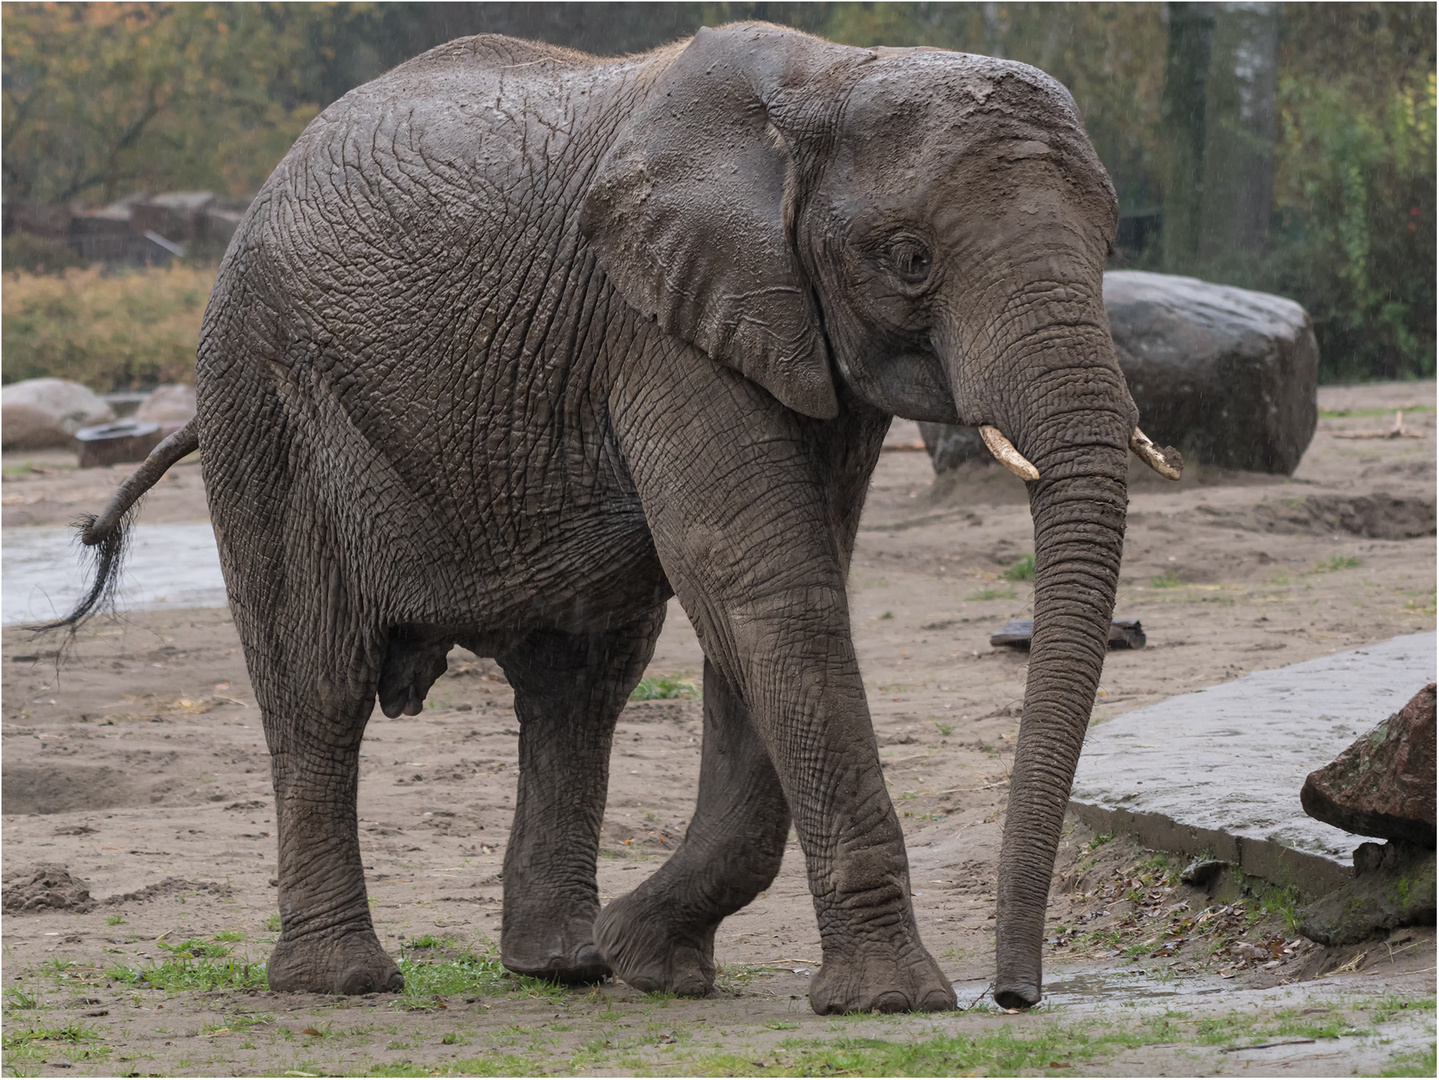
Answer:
(938, 88)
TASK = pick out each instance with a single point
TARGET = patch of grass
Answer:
(1336, 562)
(1386, 1008)
(407, 1068)
(185, 971)
(1021, 570)
(430, 941)
(1167, 580)
(995, 594)
(887, 615)
(197, 948)
(998, 1053)
(467, 973)
(115, 920)
(1100, 840)
(230, 935)
(494, 1065)
(73, 1032)
(1284, 903)
(944, 729)
(15, 998)
(1416, 1063)
(668, 686)
(273, 923)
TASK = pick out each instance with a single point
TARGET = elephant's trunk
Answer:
(1078, 536)
(1073, 423)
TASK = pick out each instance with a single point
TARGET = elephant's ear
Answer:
(691, 209)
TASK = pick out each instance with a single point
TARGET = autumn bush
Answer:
(109, 331)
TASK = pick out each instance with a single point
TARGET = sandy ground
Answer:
(139, 765)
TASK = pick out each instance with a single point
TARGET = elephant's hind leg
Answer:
(569, 690)
(661, 936)
(327, 943)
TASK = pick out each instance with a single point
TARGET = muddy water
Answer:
(167, 566)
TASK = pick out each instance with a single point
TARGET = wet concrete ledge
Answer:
(1218, 772)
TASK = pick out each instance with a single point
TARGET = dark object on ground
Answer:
(1123, 634)
(1228, 375)
(1202, 872)
(1393, 886)
(124, 440)
(1383, 784)
(49, 887)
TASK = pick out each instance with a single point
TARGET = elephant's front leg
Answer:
(744, 513)
(569, 690)
(661, 936)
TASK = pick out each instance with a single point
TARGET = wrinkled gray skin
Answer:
(517, 343)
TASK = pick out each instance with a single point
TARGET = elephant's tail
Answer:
(109, 532)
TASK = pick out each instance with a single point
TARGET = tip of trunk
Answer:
(1017, 995)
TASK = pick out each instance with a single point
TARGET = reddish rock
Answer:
(1382, 785)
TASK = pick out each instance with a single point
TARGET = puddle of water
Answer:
(1099, 987)
(167, 566)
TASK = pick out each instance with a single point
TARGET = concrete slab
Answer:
(1219, 771)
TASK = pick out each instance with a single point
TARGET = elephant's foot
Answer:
(646, 950)
(352, 963)
(879, 983)
(559, 950)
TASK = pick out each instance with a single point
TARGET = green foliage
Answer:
(197, 948)
(185, 971)
(1022, 570)
(1167, 580)
(1337, 562)
(667, 686)
(1354, 186)
(100, 100)
(110, 332)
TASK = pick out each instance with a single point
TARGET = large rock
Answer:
(173, 404)
(41, 413)
(1227, 375)
(1383, 784)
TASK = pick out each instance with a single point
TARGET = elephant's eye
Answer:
(911, 261)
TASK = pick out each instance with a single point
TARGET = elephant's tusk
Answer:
(1007, 455)
(1167, 462)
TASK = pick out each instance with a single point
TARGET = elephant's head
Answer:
(930, 228)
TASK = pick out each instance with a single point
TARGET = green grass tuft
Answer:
(668, 686)
(1022, 570)
(185, 971)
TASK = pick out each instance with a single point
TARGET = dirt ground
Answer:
(139, 766)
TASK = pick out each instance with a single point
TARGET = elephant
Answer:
(516, 344)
